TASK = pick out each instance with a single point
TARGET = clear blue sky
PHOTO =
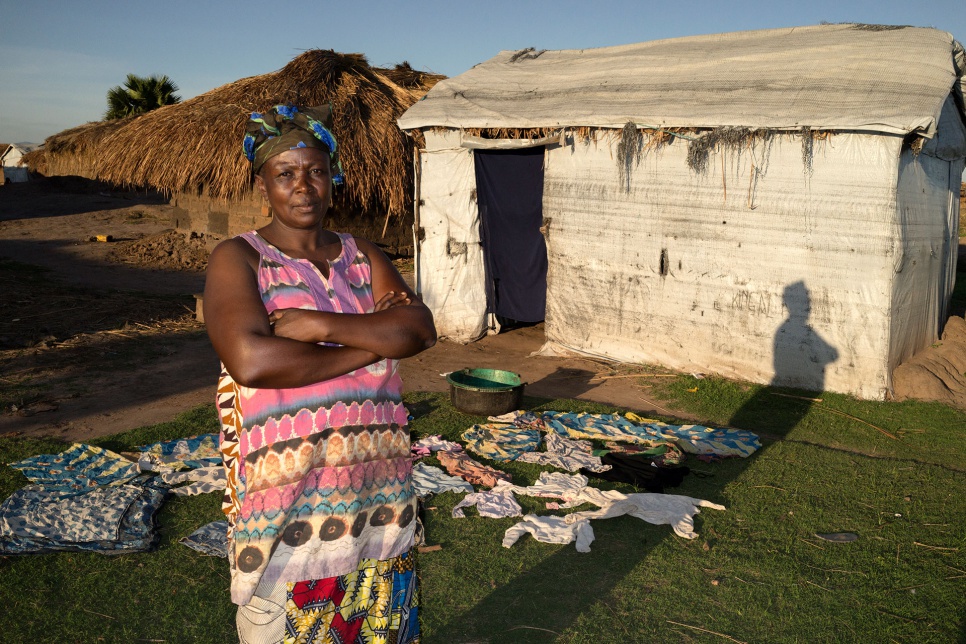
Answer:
(58, 58)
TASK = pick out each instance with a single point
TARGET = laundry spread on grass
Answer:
(566, 454)
(79, 468)
(460, 464)
(662, 453)
(645, 453)
(429, 444)
(494, 504)
(551, 529)
(110, 519)
(659, 509)
(429, 480)
(181, 454)
(500, 442)
(199, 481)
(641, 470)
(631, 428)
(88, 498)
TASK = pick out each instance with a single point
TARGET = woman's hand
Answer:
(390, 300)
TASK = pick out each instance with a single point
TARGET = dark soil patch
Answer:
(40, 310)
(171, 249)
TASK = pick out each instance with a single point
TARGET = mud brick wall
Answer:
(220, 218)
(217, 217)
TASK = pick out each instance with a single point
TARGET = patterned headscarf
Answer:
(286, 127)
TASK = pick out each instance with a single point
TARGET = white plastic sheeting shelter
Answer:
(14, 168)
(780, 206)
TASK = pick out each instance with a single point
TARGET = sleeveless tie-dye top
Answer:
(319, 477)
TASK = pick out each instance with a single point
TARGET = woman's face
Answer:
(298, 186)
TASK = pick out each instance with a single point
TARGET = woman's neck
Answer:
(312, 244)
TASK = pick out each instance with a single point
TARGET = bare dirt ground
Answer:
(97, 337)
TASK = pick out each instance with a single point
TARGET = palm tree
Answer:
(140, 94)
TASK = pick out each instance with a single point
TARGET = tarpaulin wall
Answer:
(767, 266)
(449, 257)
(927, 225)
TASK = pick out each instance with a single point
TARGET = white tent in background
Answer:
(779, 206)
(14, 168)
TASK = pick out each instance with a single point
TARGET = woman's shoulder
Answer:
(232, 250)
(362, 245)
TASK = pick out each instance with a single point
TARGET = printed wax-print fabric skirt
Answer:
(376, 604)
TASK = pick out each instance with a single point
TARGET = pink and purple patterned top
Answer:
(319, 476)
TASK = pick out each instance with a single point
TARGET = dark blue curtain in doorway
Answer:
(509, 192)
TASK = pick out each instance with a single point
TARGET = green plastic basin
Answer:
(485, 392)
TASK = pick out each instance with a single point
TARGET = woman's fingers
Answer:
(390, 300)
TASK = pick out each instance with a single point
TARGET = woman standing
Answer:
(309, 325)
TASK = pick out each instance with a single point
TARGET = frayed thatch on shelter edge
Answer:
(405, 76)
(73, 151)
(194, 148)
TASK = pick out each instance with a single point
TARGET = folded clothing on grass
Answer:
(109, 519)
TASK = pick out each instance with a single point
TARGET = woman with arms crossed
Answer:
(309, 325)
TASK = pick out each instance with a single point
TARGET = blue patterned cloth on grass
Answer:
(210, 539)
(695, 439)
(82, 467)
(181, 454)
(501, 442)
(110, 520)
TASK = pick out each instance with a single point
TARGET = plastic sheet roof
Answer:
(828, 77)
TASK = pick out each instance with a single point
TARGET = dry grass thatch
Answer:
(73, 151)
(195, 146)
(413, 79)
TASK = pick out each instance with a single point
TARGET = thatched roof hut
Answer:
(194, 147)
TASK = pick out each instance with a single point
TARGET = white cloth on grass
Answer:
(660, 509)
(556, 485)
(493, 504)
(551, 529)
(571, 488)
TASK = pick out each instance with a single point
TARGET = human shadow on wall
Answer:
(585, 585)
(800, 357)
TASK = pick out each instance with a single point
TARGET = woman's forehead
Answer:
(298, 157)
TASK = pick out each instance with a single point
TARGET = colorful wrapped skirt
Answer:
(375, 604)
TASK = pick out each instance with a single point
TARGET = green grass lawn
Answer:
(756, 573)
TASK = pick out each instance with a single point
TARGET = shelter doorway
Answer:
(509, 193)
